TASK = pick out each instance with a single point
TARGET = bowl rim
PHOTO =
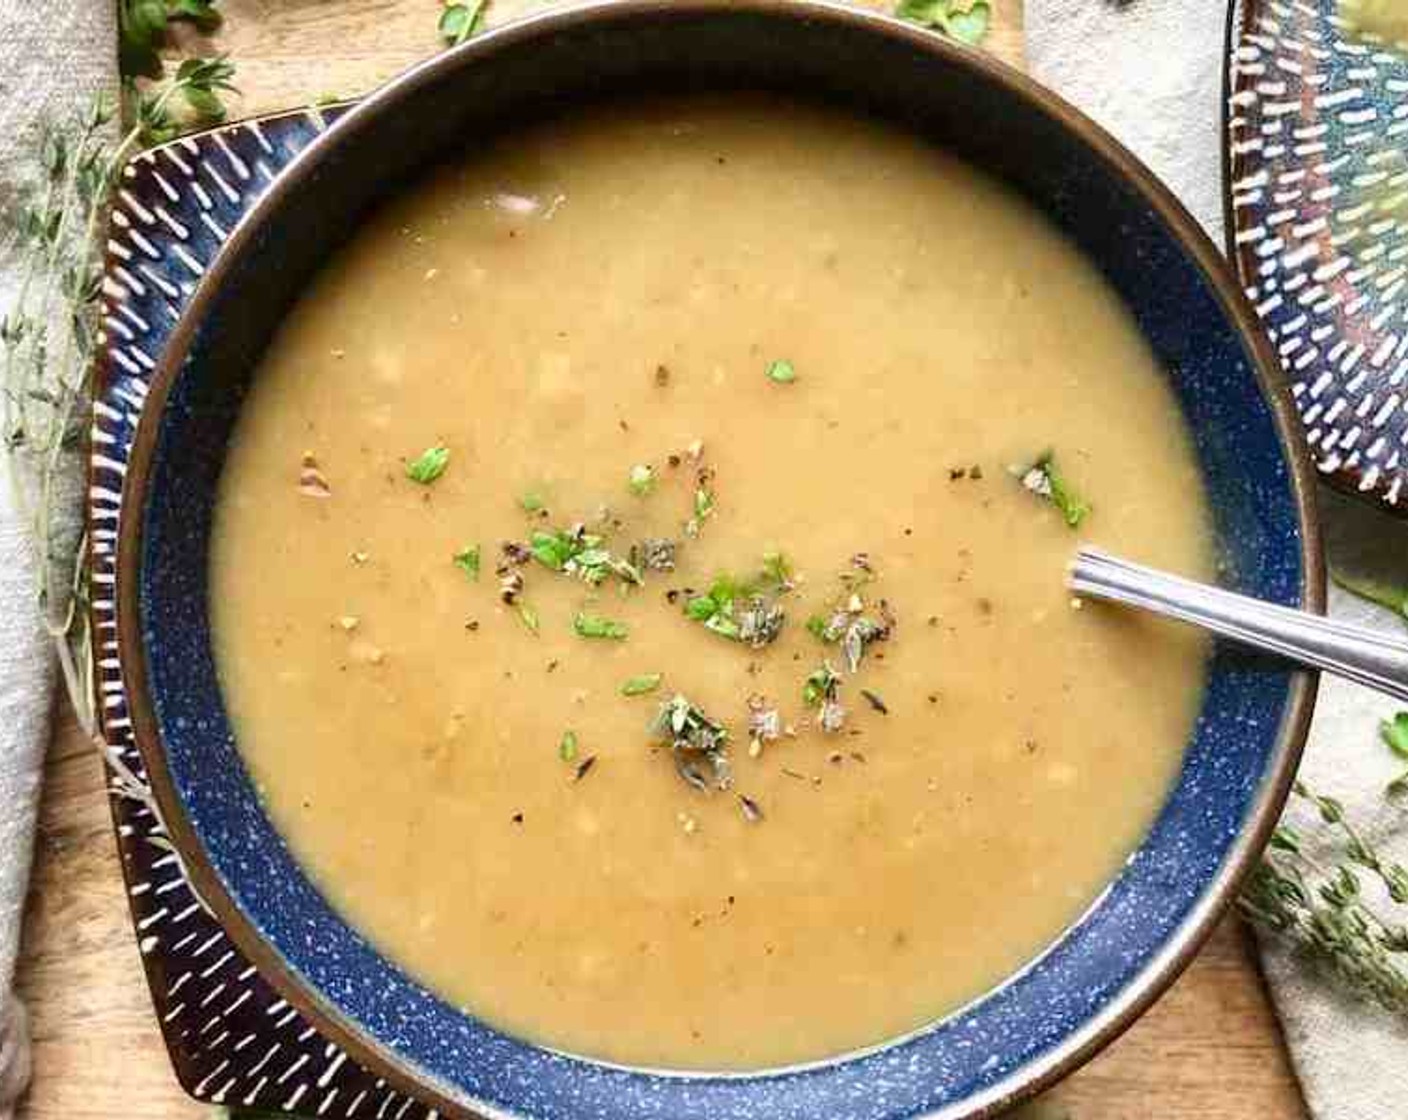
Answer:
(1168, 963)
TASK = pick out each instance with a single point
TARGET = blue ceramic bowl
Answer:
(1143, 929)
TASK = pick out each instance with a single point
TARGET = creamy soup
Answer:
(811, 362)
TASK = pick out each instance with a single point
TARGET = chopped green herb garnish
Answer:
(855, 623)
(1375, 591)
(704, 502)
(965, 20)
(701, 607)
(1395, 734)
(740, 611)
(429, 465)
(822, 690)
(580, 554)
(528, 615)
(1044, 480)
(781, 372)
(467, 561)
(694, 738)
(642, 479)
(595, 626)
(567, 748)
(532, 502)
(553, 550)
(640, 685)
(461, 20)
(819, 684)
(715, 609)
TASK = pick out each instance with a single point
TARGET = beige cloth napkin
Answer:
(52, 60)
(1151, 72)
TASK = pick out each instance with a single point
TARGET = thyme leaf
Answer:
(528, 615)
(641, 480)
(822, 690)
(781, 372)
(1044, 480)
(581, 554)
(641, 684)
(567, 747)
(744, 611)
(467, 561)
(855, 623)
(595, 626)
(704, 502)
(429, 465)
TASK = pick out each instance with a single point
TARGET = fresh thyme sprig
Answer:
(1324, 911)
(48, 340)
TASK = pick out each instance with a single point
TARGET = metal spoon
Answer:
(1355, 652)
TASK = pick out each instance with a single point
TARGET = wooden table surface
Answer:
(1209, 1050)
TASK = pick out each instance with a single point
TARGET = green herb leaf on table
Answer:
(532, 502)
(467, 561)
(781, 372)
(528, 615)
(429, 465)
(461, 20)
(595, 626)
(642, 684)
(567, 746)
(1044, 480)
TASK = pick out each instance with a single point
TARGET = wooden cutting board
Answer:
(1210, 1050)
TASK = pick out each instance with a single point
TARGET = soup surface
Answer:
(729, 328)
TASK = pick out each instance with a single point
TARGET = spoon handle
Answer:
(1355, 652)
